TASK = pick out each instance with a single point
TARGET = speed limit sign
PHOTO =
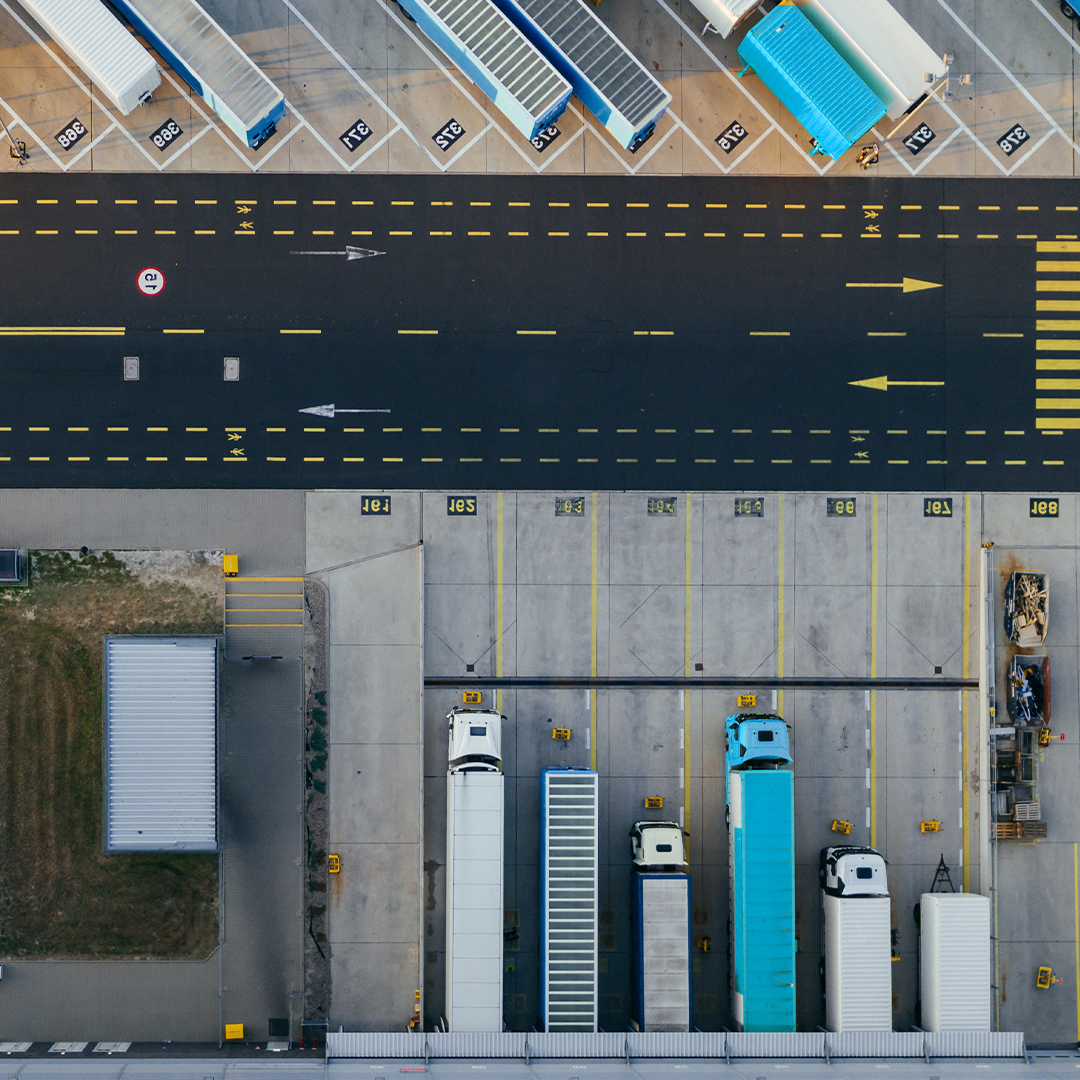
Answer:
(150, 281)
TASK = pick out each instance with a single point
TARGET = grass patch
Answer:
(60, 895)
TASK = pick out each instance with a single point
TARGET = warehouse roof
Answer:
(161, 744)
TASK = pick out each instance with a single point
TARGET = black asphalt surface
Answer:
(686, 342)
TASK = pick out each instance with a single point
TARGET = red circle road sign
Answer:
(150, 281)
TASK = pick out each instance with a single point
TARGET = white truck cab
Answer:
(658, 845)
(475, 740)
(853, 871)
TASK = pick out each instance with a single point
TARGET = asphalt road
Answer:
(562, 333)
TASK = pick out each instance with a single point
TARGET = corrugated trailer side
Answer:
(662, 978)
(761, 814)
(497, 56)
(858, 963)
(955, 961)
(211, 63)
(569, 892)
(609, 80)
(811, 79)
(102, 46)
(474, 900)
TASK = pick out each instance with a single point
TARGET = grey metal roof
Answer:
(601, 57)
(161, 744)
(212, 55)
(504, 50)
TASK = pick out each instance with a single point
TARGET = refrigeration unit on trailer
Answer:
(661, 971)
(497, 56)
(569, 884)
(761, 856)
(725, 15)
(609, 80)
(211, 63)
(856, 941)
(954, 961)
(102, 46)
(883, 49)
(474, 872)
(811, 79)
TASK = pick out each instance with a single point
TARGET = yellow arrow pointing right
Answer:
(908, 285)
(883, 382)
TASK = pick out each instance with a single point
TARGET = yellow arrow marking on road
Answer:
(883, 382)
(909, 284)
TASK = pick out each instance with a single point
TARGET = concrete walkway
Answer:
(373, 564)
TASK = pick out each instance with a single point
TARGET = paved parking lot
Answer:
(793, 592)
(337, 61)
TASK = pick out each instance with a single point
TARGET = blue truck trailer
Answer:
(795, 61)
(498, 57)
(761, 857)
(211, 63)
(569, 895)
(609, 80)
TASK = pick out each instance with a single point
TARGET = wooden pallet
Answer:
(1027, 811)
(1019, 830)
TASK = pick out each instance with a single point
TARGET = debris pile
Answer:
(1026, 607)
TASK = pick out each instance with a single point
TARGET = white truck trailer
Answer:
(883, 49)
(474, 872)
(954, 959)
(856, 940)
(102, 46)
(661, 978)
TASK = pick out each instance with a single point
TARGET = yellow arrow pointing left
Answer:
(883, 382)
(908, 285)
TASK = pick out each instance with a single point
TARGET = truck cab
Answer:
(853, 871)
(475, 740)
(658, 845)
(756, 741)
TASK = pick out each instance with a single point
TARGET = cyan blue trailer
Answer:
(811, 79)
(609, 80)
(761, 856)
(661, 972)
(211, 63)
(497, 56)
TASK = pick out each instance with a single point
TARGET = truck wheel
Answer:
(1068, 10)
(917, 914)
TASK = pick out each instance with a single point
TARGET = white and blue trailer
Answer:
(497, 56)
(761, 857)
(609, 80)
(211, 63)
(569, 898)
(661, 972)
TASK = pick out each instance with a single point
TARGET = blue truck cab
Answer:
(756, 741)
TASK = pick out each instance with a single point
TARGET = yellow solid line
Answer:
(780, 608)
(1057, 344)
(770, 333)
(592, 645)
(297, 331)
(1056, 423)
(686, 672)
(1057, 403)
(1057, 266)
(418, 331)
(499, 606)
(542, 333)
(1057, 245)
(183, 331)
(964, 698)
(1056, 363)
(1017, 335)
(1055, 325)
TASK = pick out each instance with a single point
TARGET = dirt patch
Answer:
(60, 895)
(316, 814)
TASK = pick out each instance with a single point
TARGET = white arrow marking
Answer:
(330, 411)
(350, 253)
